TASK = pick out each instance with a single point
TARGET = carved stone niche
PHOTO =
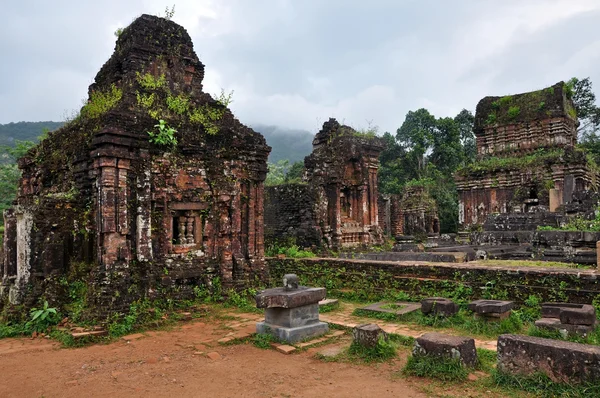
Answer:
(185, 227)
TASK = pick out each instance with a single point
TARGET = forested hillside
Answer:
(25, 131)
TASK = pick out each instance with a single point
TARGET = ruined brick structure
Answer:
(412, 213)
(340, 198)
(141, 216)
(527, 160)
(419, 212)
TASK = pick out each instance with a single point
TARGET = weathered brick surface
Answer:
(339, 206)
(146, 218)
(516, 126)
(577, 285)
(562, 361)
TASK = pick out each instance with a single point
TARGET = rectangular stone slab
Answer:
(562, 361)
(446, 346)
(292, 317)
(552, 310)
(487, 306)
(555, 324)
(293, 335)
(568, 313)
(279, 297)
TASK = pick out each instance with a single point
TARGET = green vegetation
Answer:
(542, 386)
(490, 164)
(429, 149)
(444, 369)
(150, 82)
(263, 340)
(179, 104)
(579, 223)
(384, 350)
(292, 251)
(513, 112)
(592, 338)
(531, 263)
(283, 172)
(165, 135)
(44, 317)
(101, 102)
(208, 115)
(465, 321)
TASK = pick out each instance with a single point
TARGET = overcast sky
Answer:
(294, 63)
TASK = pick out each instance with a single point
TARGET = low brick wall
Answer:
(373, 279)
(561, 361)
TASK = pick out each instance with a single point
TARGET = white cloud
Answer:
(296, 64)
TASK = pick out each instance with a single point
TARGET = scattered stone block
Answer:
(88, 334)
(368, 334)
(568, 318)
(284, 348)
(134, 336)
(491, 306)
(328, 302)
(445, 346)
(561, 361)
(291, 313)
(491, 309)
(573, 314)
(397, 308)
(337, 333)
(225, 340)
(439, 306)
(213, 355)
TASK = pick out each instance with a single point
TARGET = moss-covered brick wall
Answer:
(375, 280)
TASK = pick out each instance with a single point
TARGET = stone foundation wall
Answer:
(374, 279)
(290, 215)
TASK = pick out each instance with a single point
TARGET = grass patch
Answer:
(529, 263)
(383, 351)
(263, 340)
(542, 386)
(592, 338)
(487, 359)
(444, 369)
(329, 307)
(464, 321)
(384, 316)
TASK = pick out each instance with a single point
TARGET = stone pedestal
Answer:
(291, 313)
(492, 310)
(439, 306)
(367, 335)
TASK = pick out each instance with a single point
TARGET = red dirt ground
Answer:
(175, 364)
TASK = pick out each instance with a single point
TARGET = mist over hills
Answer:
(291, 144)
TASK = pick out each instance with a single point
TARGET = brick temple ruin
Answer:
(413, 213)
(527, 160)
(337, 206)
(142, 216)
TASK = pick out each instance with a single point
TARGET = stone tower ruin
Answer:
(155, 185)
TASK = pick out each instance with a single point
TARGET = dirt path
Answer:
(175, 364)
(343, 317)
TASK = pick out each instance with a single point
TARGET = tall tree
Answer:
(10, 173)
(416, 137)
(584, 100)
(465, 121)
